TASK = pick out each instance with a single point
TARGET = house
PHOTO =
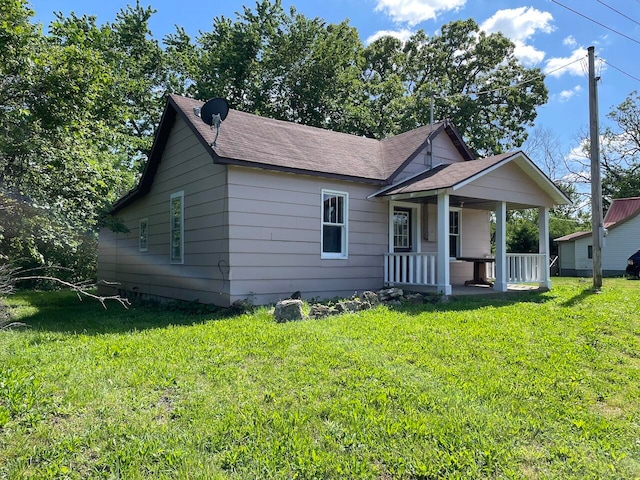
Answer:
(622, 222)
(276, 207)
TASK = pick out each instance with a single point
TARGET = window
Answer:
(401, 229)
(176, 226)
(334, 224)
(144, 235)
(589, 251)
(454, 233)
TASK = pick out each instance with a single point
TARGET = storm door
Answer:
(402, 230)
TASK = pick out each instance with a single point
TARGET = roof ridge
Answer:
(287, 123)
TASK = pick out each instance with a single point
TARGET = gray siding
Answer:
(443, 152)
(274, 237)
(203, 276)
(509, 184)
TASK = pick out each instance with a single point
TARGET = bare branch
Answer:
(80, 290)
(10, 324)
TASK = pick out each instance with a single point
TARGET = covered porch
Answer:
(439, 226)
(416, 270)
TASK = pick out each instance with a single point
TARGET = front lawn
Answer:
(532, 385)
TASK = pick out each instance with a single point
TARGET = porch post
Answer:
(543, 241)
(501, 247)
(442, 274)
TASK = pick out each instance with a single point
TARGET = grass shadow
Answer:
(65, 312)
(459, 303)
(579, 298)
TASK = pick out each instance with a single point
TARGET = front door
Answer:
(402, 230)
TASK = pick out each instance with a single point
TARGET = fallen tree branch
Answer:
(79, 289)
(10, 324)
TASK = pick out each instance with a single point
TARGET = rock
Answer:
(370, 297)
(296, 295)
(388, 294)
(319, 311)
(350, 306)
(288, 311)
(415, 298)
(241, 306)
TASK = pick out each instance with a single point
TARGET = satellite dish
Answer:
(213, 113)
(215, 106)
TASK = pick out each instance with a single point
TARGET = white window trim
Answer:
(459, 234)
(171, 259)
(345, 238)
(146, 240)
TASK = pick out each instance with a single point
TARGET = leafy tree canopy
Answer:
(621, 151)
(290, 67)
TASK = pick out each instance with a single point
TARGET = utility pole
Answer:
(597, 227)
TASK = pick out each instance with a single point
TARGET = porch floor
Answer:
(459, 290)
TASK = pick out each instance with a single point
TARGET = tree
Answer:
(284, 66)
(290, 67)
(73, 118)
(619, 153)
(475, 79)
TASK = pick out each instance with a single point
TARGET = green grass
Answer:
(532, 385)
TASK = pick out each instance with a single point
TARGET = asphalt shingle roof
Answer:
(265, 141)
(449, 175)
(250, 140)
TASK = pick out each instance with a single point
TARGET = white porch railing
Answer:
(526, 267)
(420, 268)
(410, 268)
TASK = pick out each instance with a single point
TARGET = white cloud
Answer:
(558, 66)
(413, 12)
(519, 25)
(528, 54)
(566, 95)
(402, 35)
(570, 41)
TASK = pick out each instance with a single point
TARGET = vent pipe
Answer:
(429, 159)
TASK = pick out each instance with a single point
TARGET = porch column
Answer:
(543, 241)
(501, 247)
(442, 274)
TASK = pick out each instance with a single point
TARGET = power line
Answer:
(618, 12)
(565, 66)
(524, 82)
(597, 22)
(621, 71)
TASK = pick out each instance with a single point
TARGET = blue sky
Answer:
(547, 34)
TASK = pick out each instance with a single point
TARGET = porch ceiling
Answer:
(466, 202)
